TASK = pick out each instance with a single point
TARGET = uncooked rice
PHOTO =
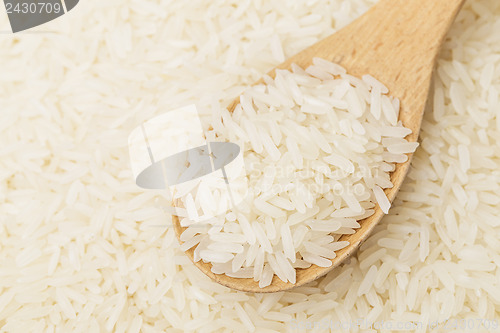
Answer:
(300, 171)
(83, 249)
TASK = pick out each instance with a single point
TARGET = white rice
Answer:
(327, 167)
(74, 228)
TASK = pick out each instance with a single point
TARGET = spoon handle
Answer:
(397, 42)
(404, 34)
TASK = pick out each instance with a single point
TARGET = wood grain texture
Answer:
(397, 42)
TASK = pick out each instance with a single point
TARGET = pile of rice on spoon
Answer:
(319, 146)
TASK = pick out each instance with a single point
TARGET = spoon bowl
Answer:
(397, 42)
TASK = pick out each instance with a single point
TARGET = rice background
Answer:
(82, 249)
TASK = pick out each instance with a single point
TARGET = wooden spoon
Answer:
(397, 42)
